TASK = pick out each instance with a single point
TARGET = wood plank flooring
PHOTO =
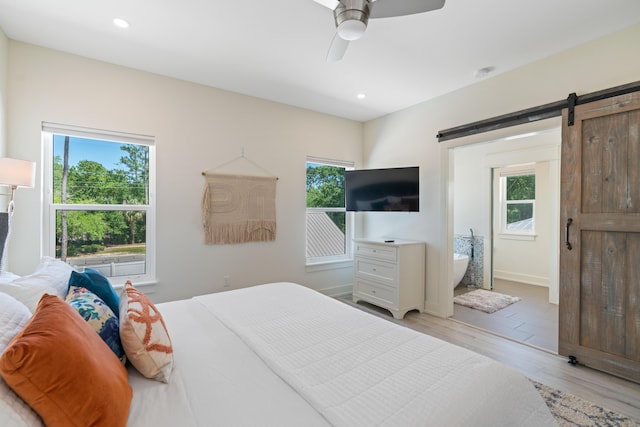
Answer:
(537, 364)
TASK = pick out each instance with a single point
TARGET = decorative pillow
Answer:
(13, 316)
(50, 272)
(95, 281)
(144, 335)
(59, 366)
(99, 316)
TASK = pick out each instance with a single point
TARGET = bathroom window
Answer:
(518, 201)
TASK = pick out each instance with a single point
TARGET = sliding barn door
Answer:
(600, 255)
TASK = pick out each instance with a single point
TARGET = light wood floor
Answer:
(532, 320)
(545, 367)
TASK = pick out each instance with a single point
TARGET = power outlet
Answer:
(227, 281)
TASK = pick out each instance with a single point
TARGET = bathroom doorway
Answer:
(515, 254)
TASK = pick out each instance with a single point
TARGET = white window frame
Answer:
(50, 209)
(503, 175)
(338, 260)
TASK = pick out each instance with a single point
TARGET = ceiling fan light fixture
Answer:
(351, 18)
(351, 29)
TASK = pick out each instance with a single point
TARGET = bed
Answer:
(281, 354)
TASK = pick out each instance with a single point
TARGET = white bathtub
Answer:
(460, 264)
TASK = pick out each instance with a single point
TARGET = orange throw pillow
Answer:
(61, 368)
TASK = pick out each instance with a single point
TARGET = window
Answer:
(99, 201)
(518, 201)
(329, 225)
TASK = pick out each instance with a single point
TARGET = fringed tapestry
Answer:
(239, 208)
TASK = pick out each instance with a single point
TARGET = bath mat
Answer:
(571, 411)
(483, 300)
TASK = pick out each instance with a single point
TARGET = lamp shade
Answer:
(17, 173)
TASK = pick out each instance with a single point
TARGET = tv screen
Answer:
(383, 190)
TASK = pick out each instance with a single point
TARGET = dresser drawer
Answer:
(376, 293)
(376, 270)
(381, 252)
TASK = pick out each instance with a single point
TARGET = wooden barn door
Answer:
(599, 311)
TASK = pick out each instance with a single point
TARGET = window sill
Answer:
(329, 265)
(517, 236)
(147, 285)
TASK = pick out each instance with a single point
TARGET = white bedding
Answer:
(216, 380)
(357, 369)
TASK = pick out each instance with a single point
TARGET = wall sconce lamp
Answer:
(13, 174)
(16, 173)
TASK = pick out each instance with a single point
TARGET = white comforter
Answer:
(281, 354)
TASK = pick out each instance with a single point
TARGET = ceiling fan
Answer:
(352, 16)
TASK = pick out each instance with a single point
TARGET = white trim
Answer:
(518, 236)
(329, 264)
(529, 279)
(102, 134)
(337, 291)
(330, 162)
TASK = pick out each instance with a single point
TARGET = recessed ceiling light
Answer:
(361, 95)
(119, 22)
(484, 72)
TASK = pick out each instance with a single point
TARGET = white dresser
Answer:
(390, 274)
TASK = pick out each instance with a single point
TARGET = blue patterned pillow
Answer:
(99, 316)
(96, 282)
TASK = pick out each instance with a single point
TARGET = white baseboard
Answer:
(337, 291)
(521, 278)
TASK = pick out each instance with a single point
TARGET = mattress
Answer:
(283, 355)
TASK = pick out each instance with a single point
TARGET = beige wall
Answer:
(196, 128)
(409, 137)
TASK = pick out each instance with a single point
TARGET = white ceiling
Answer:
(276, 49)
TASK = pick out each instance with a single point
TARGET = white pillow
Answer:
(27, 295)
(14, 412)
(13, 316)
(51, 277)
(5, 277)
(52, 273)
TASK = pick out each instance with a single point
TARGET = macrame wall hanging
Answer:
(238, 208)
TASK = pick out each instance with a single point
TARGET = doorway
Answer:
(504, 260)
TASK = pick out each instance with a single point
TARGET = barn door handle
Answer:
(566, 233)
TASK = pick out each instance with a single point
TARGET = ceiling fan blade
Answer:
(337, 49)
(390, 8)
(331, 4)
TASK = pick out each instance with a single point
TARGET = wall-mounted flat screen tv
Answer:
(383, 190)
